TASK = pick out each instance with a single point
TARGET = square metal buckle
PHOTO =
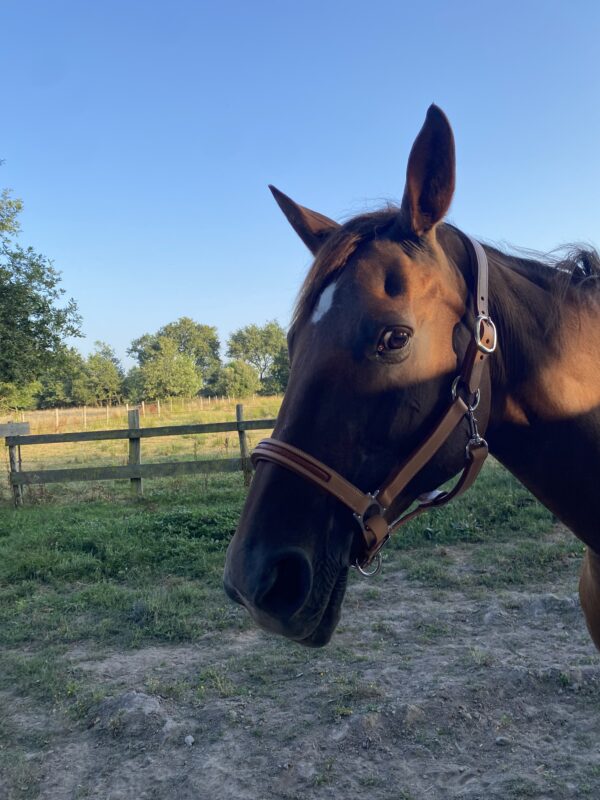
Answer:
(485, 320)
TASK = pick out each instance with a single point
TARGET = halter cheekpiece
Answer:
(371, 509)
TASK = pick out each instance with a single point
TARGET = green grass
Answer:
(119, 574)
(114, 452)
(123, 573)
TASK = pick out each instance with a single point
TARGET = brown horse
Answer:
(381, 327)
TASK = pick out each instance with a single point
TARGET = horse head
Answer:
(381, 326)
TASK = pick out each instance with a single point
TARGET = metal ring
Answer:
(454, 390)
(366, 573)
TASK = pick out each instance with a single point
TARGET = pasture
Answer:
(464, 671)
(110, 452)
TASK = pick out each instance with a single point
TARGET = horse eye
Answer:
(394, 339)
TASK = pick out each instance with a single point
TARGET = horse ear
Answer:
(430, 175)
(311, 227)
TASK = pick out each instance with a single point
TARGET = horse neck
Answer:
(545, 419)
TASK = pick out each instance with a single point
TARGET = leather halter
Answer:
(371, 509)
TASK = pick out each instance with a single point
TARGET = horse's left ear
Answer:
(313, 228)
(430, 175)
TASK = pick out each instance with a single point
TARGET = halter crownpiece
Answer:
(370, 510)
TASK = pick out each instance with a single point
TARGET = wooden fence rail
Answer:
(134, 471)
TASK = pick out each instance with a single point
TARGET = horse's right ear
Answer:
(430, 175)
(313, 228)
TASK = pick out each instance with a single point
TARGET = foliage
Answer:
(278, 377)
(133, 385)
(258, 346)
(10, 208)
(201, 342)
(33, 325)
(19, 397)
(64, 382)
(198, 342)
(170, 373)
(237, 379)
(104, 376)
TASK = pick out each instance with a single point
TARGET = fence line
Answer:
(84, 415)
(134, 471)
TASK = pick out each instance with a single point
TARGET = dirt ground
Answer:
(424, 693)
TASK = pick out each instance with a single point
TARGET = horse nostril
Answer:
(287, 585)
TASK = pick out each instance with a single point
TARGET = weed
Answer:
(213, 681)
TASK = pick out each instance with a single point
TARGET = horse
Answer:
(392, 323)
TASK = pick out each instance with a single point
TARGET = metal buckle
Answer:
(375, 507)
(477, 332)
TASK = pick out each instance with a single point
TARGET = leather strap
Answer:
(315, 471)
(370, 510)
(401, 477)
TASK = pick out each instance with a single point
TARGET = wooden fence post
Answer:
(14, 467)
(244, 450)
(135, 449)
(158, 406)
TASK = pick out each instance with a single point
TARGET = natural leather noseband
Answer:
(371, 509)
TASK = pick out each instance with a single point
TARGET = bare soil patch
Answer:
(427, 691)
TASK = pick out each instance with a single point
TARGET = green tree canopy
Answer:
(19, 397)
(170, 373)
(33, 321)
(237, 379)
(200, 342)
(279, 373)
(10, 208)
(64, 382)
(257, 346)
(104, 375)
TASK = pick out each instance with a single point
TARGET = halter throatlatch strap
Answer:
(371, 511)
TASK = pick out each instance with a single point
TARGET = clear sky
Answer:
(141, 136)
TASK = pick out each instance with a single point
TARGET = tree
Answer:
(10, 208)
(65, 381)
(258, 346)
(133, 385)
(144, 348)
(19, 397)
(33, 325)
(237, 379)
(279, 374)
(104, 375)
(199, 342)
(170, 373)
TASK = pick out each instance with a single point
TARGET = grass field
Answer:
(102, 595)
(154, 450)
(123, 573)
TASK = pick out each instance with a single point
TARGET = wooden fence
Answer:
(134, 471)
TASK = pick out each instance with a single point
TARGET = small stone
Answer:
(502, 741)
(189, 740)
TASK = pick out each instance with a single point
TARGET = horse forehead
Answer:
(324, 303)
(384, 270)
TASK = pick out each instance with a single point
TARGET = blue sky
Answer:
(142, 135)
